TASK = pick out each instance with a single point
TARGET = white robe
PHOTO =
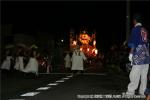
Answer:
(32, 66)
(19, 65)
(6, 63)
(77, 60)
(67, 61)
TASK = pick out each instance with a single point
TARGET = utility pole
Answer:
(127, 19)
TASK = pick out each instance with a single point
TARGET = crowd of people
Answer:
(33, 61)
(117, 57)
(22, 60)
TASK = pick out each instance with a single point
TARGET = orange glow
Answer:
(88, 49)
(80, 49)
(93, 50)
(84, 38)
(87, 43)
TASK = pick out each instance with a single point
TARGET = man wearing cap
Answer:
(139, 57)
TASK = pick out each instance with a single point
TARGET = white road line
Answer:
(43, 88)
(30, 94)
(66, 78)
(70, 76)
(59, 81)
(53, 84)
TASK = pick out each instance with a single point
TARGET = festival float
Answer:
(86, 41)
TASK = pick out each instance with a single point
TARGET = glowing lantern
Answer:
(94, 42)
(96, 51)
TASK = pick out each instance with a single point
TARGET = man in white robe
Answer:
(77, 60)
(6, 63)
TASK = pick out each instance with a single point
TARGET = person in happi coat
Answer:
(139, 57)
(78, 59)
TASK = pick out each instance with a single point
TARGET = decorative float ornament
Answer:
(88, 49)
(84, 38)
(96, 51)
(93, 50)
(87, 43)
(94, 42)
(74, 42)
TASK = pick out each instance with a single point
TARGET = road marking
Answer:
(70, 76)
(66, 78)
(59, 81)
(43, 88)
(53, 84)
(30, 94)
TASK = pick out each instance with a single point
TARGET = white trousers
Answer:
(138, 74)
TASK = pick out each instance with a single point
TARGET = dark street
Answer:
(65, 86)
(64, 50)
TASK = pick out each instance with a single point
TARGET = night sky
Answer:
(107, 18)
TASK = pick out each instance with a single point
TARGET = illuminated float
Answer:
(87, 43)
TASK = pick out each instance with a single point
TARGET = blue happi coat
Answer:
(139, 42)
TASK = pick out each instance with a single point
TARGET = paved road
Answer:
(87, 86)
